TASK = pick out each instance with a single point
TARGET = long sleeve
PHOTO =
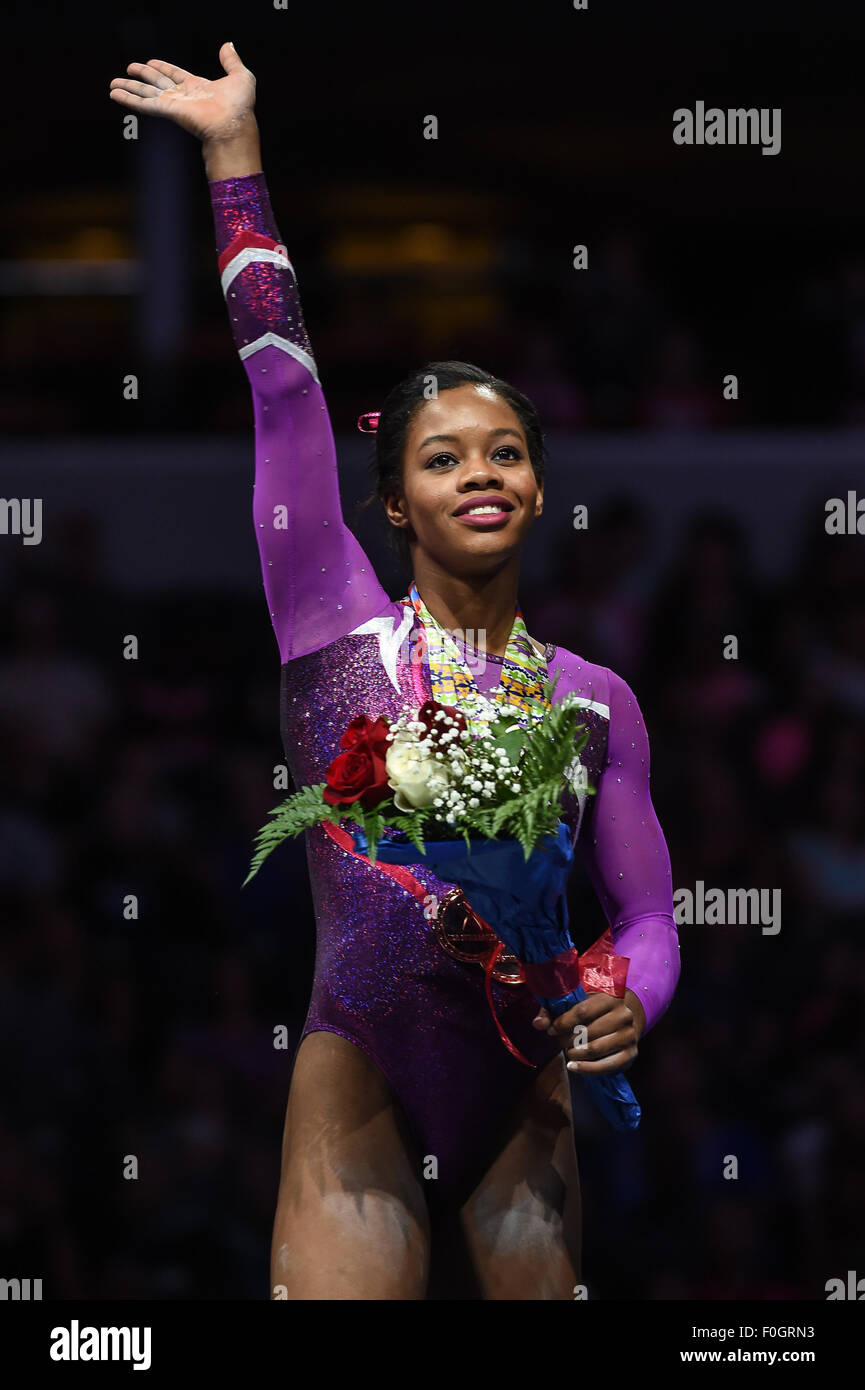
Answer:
(317, 579)
(627, 860)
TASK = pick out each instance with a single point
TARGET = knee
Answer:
(529, 1211)
(353, 1245)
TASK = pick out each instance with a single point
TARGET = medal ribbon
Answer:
(523, 671)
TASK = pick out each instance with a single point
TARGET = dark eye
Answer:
(449, 458)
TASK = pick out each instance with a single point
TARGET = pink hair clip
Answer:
(373, 417)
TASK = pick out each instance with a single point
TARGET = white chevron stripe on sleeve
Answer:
(602, 710)
(285, 345)
(247, 256)
(390, 638)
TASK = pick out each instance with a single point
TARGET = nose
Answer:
(479, 472)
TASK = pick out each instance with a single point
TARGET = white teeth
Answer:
(483, 511)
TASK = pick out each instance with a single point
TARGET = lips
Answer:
(492, 500)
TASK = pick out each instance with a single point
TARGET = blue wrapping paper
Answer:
(524, 903)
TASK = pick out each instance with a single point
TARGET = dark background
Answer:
(154, 1037)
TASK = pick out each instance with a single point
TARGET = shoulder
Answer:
(604, 688)
(578, 676)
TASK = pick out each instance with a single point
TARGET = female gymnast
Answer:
(420, 1157)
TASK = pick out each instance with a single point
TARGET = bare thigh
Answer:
(522, 1224)
(351, 1219)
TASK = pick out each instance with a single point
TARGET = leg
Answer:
(351, 1219)
(522, 1223)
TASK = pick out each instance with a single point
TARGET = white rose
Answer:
(415, 779)
(578, 776)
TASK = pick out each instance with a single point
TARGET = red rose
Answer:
(361, 726)
(427, 716)
(359, 773)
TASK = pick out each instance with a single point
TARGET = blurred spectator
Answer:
(61, 699)
(676, 395)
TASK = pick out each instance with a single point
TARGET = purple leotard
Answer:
(381, 978)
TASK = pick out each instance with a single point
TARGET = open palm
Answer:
(210, 110)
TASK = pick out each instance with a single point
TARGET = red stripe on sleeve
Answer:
(244, 240)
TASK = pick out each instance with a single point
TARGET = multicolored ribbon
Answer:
(524, 672)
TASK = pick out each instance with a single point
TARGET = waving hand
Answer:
(212, 110)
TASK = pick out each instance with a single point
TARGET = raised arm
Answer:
(626, 857)
(318, 581)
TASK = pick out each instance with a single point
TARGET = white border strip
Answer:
(285, 345)
(390, 638)
(603, 710)
(247, 256)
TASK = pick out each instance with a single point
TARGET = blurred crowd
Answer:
(142, 1095)
(621, 345)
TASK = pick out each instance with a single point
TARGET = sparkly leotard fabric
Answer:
(381, 978)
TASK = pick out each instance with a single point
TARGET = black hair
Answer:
(405, 399)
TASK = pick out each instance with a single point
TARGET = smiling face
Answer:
(469, 493)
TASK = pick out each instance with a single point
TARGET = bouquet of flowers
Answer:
(477, 797)
(431, 775)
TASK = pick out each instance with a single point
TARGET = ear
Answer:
(395, 509)
(539, 501)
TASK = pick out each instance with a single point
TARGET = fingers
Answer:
(150, 73)
(167, 70)
(595, 1047)
(607, 1031)
(139, 89)
(594, 1006)
(229, 59)
(608, 1044)
(618, 1061)
(135, 102)
(149, 81)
